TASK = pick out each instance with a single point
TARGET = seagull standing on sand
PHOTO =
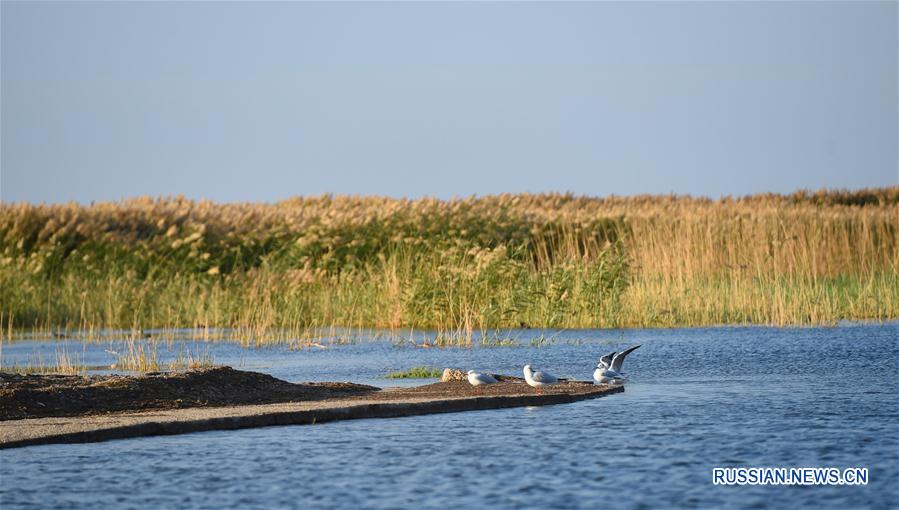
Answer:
(608, 370)
(479, 379)
(537, 378)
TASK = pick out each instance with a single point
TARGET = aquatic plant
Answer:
(137, 356)
(190, 360)
(276, 272)
(63, 363)
(416, 373)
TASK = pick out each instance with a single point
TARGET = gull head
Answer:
(469, 372)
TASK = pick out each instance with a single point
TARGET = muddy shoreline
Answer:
(50, 395)
(227, 399)
(41, 395)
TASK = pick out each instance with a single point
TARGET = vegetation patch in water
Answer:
(416, 373)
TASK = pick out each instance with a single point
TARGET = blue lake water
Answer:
(696, 399)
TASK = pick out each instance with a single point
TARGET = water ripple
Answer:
(698, 398)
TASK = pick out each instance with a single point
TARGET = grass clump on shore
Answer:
(416, 373)
(269, 272)
(63, 363)
(142, 355)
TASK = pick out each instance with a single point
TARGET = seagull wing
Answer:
(544, 377)
(607, 359)
(618, 360)
(487, 378)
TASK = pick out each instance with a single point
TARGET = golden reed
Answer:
(549, 260)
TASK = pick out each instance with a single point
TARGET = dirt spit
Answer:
(74, 409)
(37, 396)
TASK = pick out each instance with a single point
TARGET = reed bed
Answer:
(276, 272)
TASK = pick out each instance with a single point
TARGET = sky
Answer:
(249, 101)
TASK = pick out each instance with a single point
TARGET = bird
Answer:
(608, 370)
(478, 379)
(607, 359)
(537, 378)
(618, 359)
(605, 375)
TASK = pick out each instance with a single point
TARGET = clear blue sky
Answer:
(261, 101)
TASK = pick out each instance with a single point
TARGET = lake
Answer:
(695, 399)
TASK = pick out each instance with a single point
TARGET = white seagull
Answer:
(478, 379)
(608, 370)
(537, 379)
(605, 375)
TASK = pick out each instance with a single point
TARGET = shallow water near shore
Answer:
(696, 399)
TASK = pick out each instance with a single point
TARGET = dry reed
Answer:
(277, 271)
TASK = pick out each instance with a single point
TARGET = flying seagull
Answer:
(537, 378)
(478, 379)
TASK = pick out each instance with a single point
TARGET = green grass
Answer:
(416, 373)
(282, 272)
(455, 292)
